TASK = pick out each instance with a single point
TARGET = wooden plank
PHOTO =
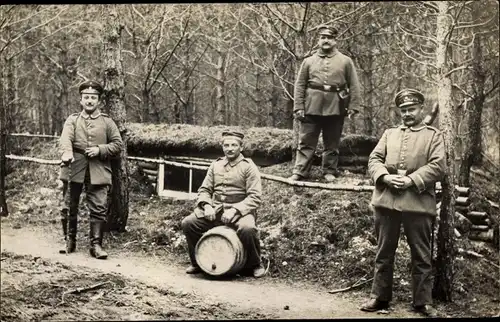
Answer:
(160, 178)
(147, 165)
(150, 172)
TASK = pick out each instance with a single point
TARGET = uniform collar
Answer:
(414, 129)
(333, 53)
(94, 114)
(235, 162)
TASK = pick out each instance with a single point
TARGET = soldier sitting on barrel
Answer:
(229, 195)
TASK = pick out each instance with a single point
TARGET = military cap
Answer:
(327, 30)
(408, 97)
(91, 87)
(234, 134)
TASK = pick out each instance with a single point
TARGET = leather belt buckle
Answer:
(327, 87)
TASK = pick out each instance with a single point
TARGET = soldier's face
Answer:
(326, 42)
(89, 102)
(412, 115)
(232, 148)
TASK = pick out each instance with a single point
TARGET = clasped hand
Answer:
(92, 151)
(397, 182)
(230, 215)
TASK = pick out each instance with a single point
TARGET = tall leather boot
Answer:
(64, 222)
(69, 230)
(96, 234)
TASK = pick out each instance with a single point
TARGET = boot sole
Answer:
(63, 251)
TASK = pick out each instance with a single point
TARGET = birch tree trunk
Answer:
(445, 240)
(220, 89)
(4, 212)
(114, 89)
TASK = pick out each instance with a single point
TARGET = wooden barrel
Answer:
(220, 252)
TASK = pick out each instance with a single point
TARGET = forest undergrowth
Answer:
(308, 235)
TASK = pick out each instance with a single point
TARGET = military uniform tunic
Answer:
(419, 153)
(80, 132)
(228, 184)
(323, 109)
(335, 69)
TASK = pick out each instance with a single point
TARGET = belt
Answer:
(326, 87)
(229, 198)
(77, 150)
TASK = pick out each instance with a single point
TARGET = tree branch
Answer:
(280, 18)
(19, 35)
(183, 33)
(41, 40)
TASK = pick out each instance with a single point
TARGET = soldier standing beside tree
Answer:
(405, 165)
(88, 140)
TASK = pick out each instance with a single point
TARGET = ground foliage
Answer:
(118, 299)
(308, 235)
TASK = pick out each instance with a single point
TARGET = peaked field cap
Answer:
(236, 134)
(91, 87)
(408, 97)
(327, 30)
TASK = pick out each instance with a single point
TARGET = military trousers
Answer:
(194, 227)
(64, 201)
(310, 128)
(418, 231)
(96, 197)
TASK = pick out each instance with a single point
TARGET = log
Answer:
(482, 235)
(462, 201)
(462, 223)
(462, 191)
(478, 217)
(479, 228)
(152, 178)
(147, 165)
(462, 209)
(457, 233)
(493, 204)
(150, 172)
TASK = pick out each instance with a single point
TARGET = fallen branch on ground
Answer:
(350, 287)
(477, 255)
(80, 290)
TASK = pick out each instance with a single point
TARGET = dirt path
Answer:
(265, 295)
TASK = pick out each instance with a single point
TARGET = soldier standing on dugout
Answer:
(229, 195)
(327, 83)
(88, 141)
(405, 165)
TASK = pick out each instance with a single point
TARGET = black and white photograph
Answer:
(249, 160)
